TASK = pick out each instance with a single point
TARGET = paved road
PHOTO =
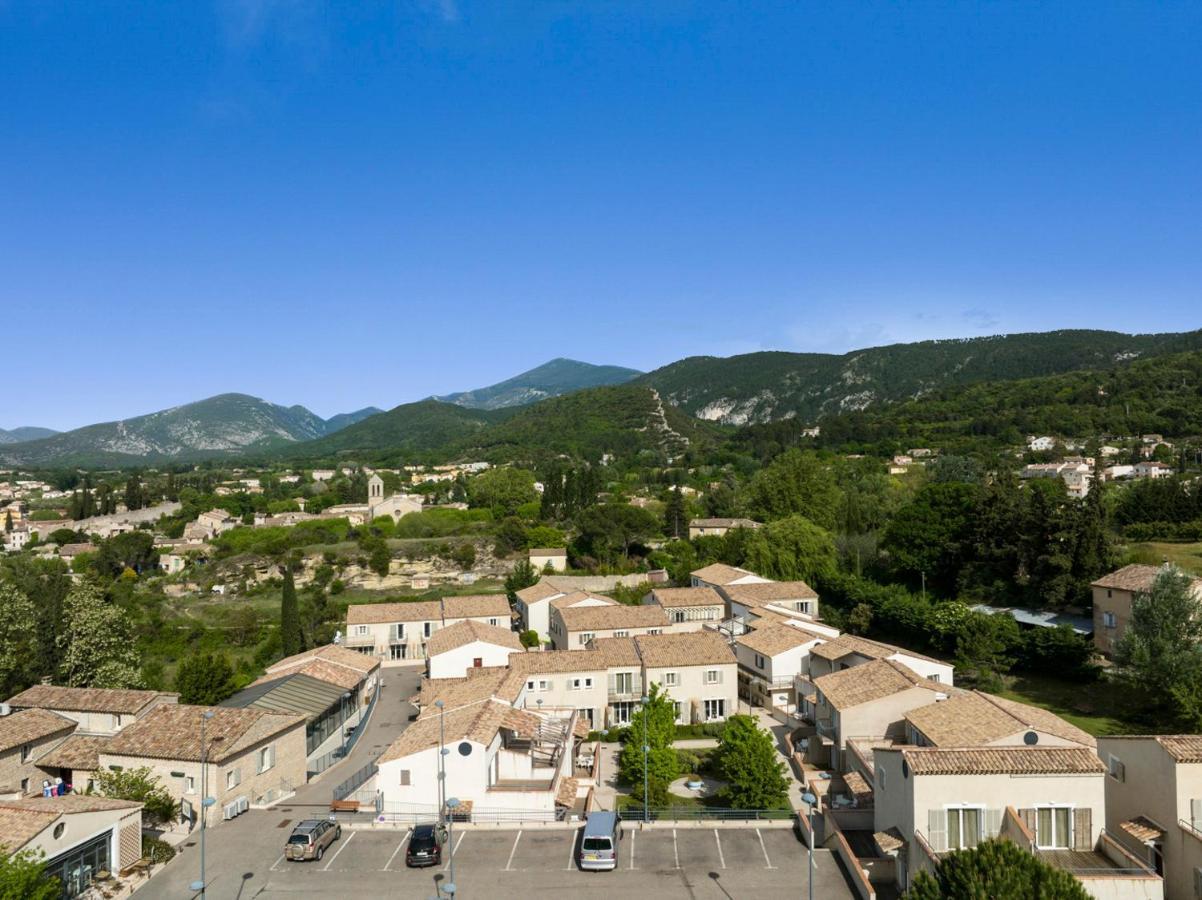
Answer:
(240, 853)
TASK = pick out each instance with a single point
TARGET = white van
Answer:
(599, 845)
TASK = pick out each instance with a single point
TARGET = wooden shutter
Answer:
(1083, 829)
(1028, 819)
(937, 829)
(404, 777)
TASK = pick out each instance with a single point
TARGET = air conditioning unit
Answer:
(243, 804)
(229, 810)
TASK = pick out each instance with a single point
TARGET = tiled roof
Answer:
(858, 785)
(614, 651)
(331, 653)
(572, 598)
(79, 751)
(1142, 829)
(974, 719)
(31, 725)
(674, 598)
(869, 682)
(851, 643)
(889, 840)
(536, 593)
(482, 684)
(550, 661)
(1135, 577)
(548, 551)
(20, 826)
(319, 669)
(69, 803)
(566, 795)
(605, 618)
(477, 606)
(690, 648)
(478, 722)
(521, 722)
(769, 592)
(173, 732)
(469, 606)
(1184, 748)
(467, 631)
(723, 523)
(775, 639)
(1001, 761)
(51, 696)
(721, 574)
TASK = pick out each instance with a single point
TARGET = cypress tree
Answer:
(290, 624)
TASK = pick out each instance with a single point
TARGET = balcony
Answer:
(360, 640)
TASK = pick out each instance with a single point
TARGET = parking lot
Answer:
(662, 862)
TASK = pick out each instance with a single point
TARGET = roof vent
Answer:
(5, 709)
(1031, 738)
(940, 697)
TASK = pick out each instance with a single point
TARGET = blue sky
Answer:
(351, 204)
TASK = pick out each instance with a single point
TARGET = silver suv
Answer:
(310, 839)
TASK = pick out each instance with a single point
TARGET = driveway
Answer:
(240, 853)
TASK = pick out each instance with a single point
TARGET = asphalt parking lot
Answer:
(660, 862)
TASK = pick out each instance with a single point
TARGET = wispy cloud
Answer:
(982, 319)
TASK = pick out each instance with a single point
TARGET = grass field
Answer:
(1096, 708)
(1188, 556)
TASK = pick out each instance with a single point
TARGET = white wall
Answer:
(455, 663)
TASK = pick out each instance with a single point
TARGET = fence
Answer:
(698, 814)
(411, 813)
(356, 781)
(323, 762)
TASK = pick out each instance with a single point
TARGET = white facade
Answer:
(455, 663)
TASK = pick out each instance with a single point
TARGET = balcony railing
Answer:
(827, 730)
(360, 640)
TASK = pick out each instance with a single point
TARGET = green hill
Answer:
(552, 379)
(762, 387)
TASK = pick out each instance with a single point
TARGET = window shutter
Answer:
(937, 829)
(613, 682)
(404, 777)
(1028, 817)
(719, 681)
(1082, 829)
(993, 822)
(550, 685)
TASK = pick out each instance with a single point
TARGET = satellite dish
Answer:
(1030, 738)
(465, 748)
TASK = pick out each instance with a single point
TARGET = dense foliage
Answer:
(998, 869)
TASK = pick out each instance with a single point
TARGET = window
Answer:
(189, 784)
(1116, 768)
(361, 629)
(544, 685)
(24, 785)
(266, 758)
(492, 621)
(678, 615)
(880, 779)
(654, 630)
(621, 634)
(1109, 620)
(624, 683)
(397, 632)
(26, 750)
(586, 714)
(759, 661)
(427, 628)
(397, 651)
(671, 679)
(477, 662)
(1053, 827)
(585, 637)
(713, 676)
(233, 778)
(115, 722)
(530, 685)
(623, 712)
(715, 710)
(577, 684)
(934, 678)
(679, 711)
(964, 827)
(404, 778)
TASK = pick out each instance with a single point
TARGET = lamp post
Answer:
(205, 800)
(810, 800)
(452, 805)
(646, 773)
(442, 759)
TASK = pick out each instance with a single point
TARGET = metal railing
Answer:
(1193, 826)
(353, 783)
(698, 814)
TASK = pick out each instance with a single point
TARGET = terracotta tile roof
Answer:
(467, 631)
(521, 722)
(889, 840)
(1001, 761)
(79, 751)
(31, 725)
(769, 592)
(71, 803)
(566, 795)
(470, 606)
(674, 598)
(51, 696)
(1142, 829)
(721, 574)
(173, 732)
(776, 638)
(690, 648)
(483, 684)
(869, 682)
(851, 643)
(330, 673)
(536, 593)
(478, 722)
(547, 551)
(976, 718)
(1184, 748)
(546, 662)
(484, 606)
(858, 785)
(330, 653)
(572, 598)
(581, 728)
(606, 618)
(614, 651)
(1135, 578)
(20, 826)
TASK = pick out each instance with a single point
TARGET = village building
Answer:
(552, 559)
(469, 644)
(398, 633)
(573, 627)
(717, 527)
(689, 608)
(1114, 598)
(24, 737)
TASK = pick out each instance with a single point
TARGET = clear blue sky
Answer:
(365, 203)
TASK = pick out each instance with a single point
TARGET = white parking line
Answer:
(277, 862)
(455, 849)
(675, 852)
(767, 861)
(509, 865)
(399, 846)
(572, 852)
(350, 837)
(632, 834)
(718, 840)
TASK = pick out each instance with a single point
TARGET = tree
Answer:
(205, 679)
(142, 786)
(983, 644)
(796, 483)
(8, 521)
(929, 534)
(464, 555)
(658, 714)
(529, 638)
(521, 576)
(675, 517)
(747, 760)
(132, 550)
(1160, 654)
(502, 490)
(18, 639)
(291, 636)
(614, 528)
(96, 646)
(23, 877)
(793, 548)
(998, 869)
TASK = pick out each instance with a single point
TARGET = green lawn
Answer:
(1097, 708)
(1187, 556)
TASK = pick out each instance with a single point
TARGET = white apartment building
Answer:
(469, 644)
(398, 633)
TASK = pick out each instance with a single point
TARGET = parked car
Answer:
(425, 845)
(599, 845)
(310, 839)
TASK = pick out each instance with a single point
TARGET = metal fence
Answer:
(356, 781)
(703, 813)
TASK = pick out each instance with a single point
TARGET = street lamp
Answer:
(810, 800)
(452, 805)
(205, 800)
(646, 773)
(442, 759)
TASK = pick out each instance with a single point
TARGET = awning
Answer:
(297, 694)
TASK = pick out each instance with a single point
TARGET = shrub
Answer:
(156, 850)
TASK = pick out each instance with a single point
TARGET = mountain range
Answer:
(25, 433)
(574, 408)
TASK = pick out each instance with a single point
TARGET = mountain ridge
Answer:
(553, 378)
(25, 433)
